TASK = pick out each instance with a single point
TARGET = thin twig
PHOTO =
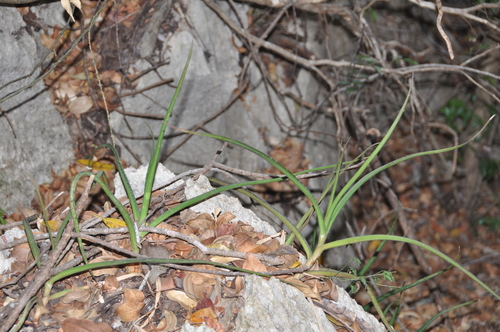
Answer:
(210, 163)
(149, 87)
(207, 251)
(55, 64)
(441, 30)
(464, 12)
(34, 286)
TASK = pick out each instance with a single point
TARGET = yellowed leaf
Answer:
(96, 165)
(199, 316)
(54, 225)
(112, 222)
(372, 246)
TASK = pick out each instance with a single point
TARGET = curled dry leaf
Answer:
(80, 313)
(133, 295)
(78, 295)
(222, 259)
(199, 285)
(290, 153)
(246, 243)
(21, 253)
(80, 105)
(169, 323)
(129, 311)
(184, 249)
(132, 305)
(316, 283)
(224, 218)
(84, 325)
(65, 92)
(304, 288)
(165, 283)
(110, 76)
(225, 242)
(224, 229)
(180, 297)
(66, 4)
(110, 283)
(202, 225)
(253, 264)
(201, 315)
(106, 271)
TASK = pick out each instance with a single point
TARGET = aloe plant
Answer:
(325, 219)
(338, 201)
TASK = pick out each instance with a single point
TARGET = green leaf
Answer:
(119, 206)
(153, 161)
(35, 251)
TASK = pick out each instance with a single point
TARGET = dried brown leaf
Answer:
(201, 225)
(132, 305)
(225, 218)
(180, 297)
(304, 288)
(166, 284)
(169, 323)
(110, 283)
(129, 311)
(66, 4)
(198, 285)
(201, 315)
(78, 295)
(82, 325)
(253, 264)
(80, 105)
(246, 243)
(133, 295)
(106, 271)
(183, 249)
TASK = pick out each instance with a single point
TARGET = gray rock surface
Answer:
(189, 328)
(349, 304)
(210, 83)
(36, 141)
(273, 306)
(137, 178)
